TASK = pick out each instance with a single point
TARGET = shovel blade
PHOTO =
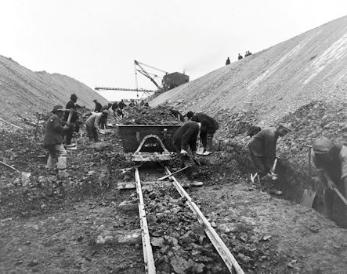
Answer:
(308, 198)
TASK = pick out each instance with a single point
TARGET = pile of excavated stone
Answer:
(179, 242)
(149, 116)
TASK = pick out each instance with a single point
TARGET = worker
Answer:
(208, 128)
(262, 147)
(121, 104)
(248, 53)
(93, 125)
(73, 123)
(331, 161)
(114, 106)
(184, 141)
(132, 103)
(98, 106)
(103, 121)
(53, 142)
(178, 115)
(239, 57)
(227, 62)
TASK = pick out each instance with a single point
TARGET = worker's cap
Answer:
(190, 114)
(95, 100)
(57, 108)
(105, 112)
(286, 127)
(322, 145)
(73, 96)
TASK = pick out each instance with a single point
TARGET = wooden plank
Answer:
(146, 243)
(217, 242)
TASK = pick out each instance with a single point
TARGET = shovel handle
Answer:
(343, 199)
(169, 175)
(10, 167)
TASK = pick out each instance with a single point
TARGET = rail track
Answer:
(150, 182)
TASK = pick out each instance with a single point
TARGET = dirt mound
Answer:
(273, 82)
(25, 92)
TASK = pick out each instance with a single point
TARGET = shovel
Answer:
(25, 176)
(169, 175)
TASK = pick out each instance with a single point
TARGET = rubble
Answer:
(179, 242)
(149, 116)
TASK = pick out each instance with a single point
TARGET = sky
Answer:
(97, 41)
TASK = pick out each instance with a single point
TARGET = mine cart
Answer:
(148, 143)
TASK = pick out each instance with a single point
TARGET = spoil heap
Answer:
(149, 116)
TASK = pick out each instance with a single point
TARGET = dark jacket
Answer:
(207, 123)
(98, 107)
(54, 131)
(71, 105)
(121, 104)
(336, 167)
(263, 143)
(186, 136)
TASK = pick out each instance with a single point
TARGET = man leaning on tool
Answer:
(262, 148)
(208, 128)
(53, 141)
(331, 160)
(73, 126)
(184, 142)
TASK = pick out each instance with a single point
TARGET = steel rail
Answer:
(146, 243)
(217, 242)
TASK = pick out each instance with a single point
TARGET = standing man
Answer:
(53, 142)
(208, 128)
(73, 125)
(103, 121)
(184, 142)
(239, 57)
(263, 148)
(98, 106)
(93, 125)
(227, 62)
(331, 161)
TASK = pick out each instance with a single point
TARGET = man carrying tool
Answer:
(208, 127)
(184, 142)
(53, 141)
(263, 148)
(331, 161)
(73, 123)
(93, 124)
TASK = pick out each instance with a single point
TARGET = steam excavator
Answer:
(169, 80)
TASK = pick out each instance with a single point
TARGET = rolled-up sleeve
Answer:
(343, 158)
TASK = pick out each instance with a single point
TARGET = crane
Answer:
(125, 89)
(139, 68)
(169, 80)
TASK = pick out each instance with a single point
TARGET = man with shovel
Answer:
(331, 160)
(184, 142)
(263, 148)
(53, 141)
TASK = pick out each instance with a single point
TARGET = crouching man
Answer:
(184, 142)
(53, 142)
(262, 148)
(93, 124)
(208, 128)
(331, 161)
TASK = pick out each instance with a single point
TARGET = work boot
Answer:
(51, 162)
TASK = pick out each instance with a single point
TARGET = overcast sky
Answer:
(96, 41)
